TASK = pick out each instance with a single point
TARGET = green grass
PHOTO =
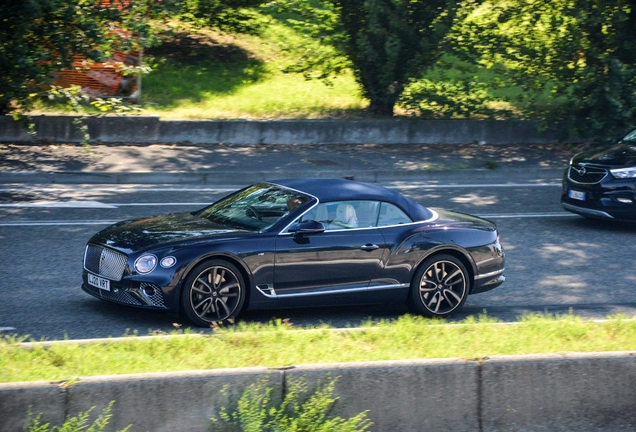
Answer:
(203, 74)
(278, 344)
(209, 75)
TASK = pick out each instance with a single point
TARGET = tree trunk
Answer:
(381, 109)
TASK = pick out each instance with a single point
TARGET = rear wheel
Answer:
(439, 287)
(213, 292)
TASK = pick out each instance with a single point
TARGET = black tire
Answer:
(440, 287)
(214, 291)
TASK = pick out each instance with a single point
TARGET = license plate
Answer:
(576, 195)
(98, 282)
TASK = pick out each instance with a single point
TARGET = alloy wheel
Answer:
(215, 294)
(443, 287)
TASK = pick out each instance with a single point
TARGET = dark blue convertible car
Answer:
(296, 243)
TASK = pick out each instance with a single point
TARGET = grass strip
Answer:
(279, 344)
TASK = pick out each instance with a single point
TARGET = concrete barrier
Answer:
(574, 392)
(150, 129)
(583, 392)
(431, 395)
(18, 400)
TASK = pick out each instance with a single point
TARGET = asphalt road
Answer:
(556, 262)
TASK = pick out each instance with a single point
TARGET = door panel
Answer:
(343, 260)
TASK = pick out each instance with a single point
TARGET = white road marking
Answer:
(463, 186)
(60, 204)
(160, 204)
(152, 188)
(7, 329)
(57, 223)
(118, 188)
(528, 215)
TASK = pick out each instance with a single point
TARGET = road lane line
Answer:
(57, 223)
(463, 186)
(161, 204)
(149, 188)
(60, 204)
(528, 215)
(121, 188)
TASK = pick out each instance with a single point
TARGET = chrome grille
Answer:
(105, 262)
(586, 175)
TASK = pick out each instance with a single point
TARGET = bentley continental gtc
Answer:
(296, 243)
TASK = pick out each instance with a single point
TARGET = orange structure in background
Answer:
(104, 79)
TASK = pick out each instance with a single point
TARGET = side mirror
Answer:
(308, 227)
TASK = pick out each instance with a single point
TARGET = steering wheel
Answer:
(251, 211)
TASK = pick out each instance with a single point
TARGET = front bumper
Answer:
(130, 292)
(610, 200)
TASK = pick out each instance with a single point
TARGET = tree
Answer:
(40, 37)
(386, 42)
(582, 51)
(225, 15)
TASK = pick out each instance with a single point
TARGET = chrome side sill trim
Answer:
(485, 275)
(272, 294)
(392, 286)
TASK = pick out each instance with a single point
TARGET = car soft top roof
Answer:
(328, 190)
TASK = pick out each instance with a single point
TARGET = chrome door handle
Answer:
(369, 247)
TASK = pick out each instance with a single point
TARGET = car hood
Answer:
(137, 234)
(617, 155)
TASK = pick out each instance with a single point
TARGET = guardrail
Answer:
(151, 129)
(582, 392)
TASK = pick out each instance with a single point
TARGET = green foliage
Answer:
(224, 15)
(40, 37)
(386, 42)
(319, 54)
(581, 51)
(79, 423)
(448, 99)
(300, 410)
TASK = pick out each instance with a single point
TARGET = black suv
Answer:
(601, 183)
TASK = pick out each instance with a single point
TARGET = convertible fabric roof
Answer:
(327, 190)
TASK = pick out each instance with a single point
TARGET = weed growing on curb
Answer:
(300, 410)
(79, 423)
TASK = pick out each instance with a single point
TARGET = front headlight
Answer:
(624, 173)
(146, 263)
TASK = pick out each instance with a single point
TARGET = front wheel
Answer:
(213, 292)
(440, 287)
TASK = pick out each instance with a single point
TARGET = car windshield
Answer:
(255, 208)
(630, 137)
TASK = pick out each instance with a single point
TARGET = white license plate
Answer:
(98, 282)
(576, 195)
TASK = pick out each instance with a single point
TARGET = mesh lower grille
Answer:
(157, 295)
(119, 296)
(586, 175)
(105, 262)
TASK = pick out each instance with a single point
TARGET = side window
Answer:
(345, 214)
(391, 215)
